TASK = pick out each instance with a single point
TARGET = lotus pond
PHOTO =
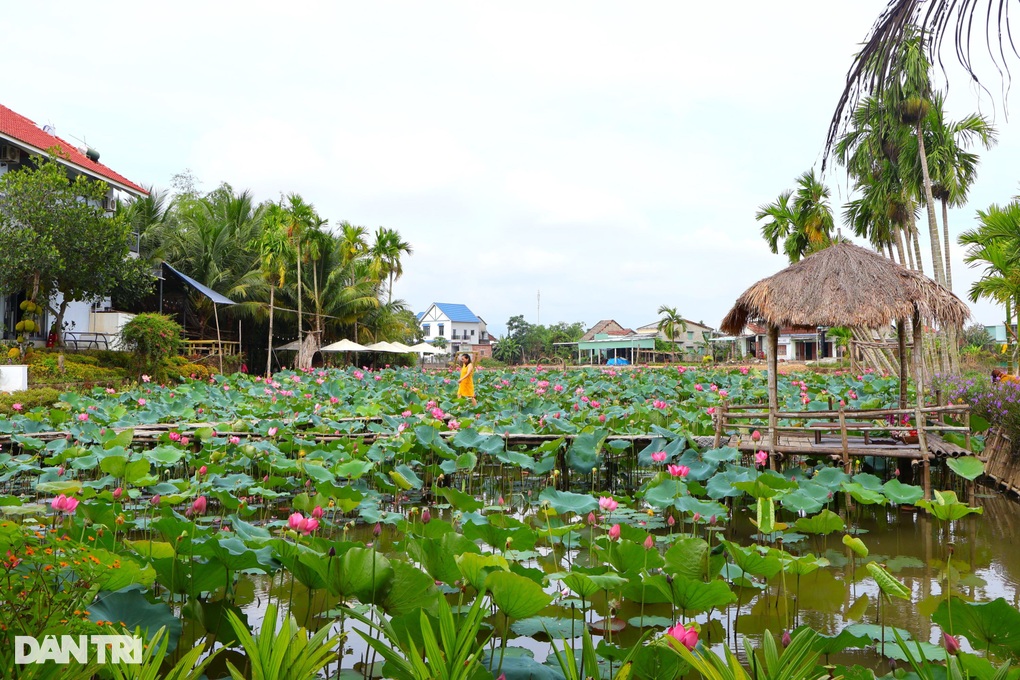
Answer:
(366, 523)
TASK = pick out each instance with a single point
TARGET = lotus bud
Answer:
(155, 500)
(951, 644)
(317, 512)
(670, 521)
(377, 529)
(649, 542)
(332, 551)
(426, 516)
(591, 518)
(786, 639)
(614, 532)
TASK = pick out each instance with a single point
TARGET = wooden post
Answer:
(901, 333)
(219, 340)
(720, 416)
(922, 438)
(844, 440)
(772, 349)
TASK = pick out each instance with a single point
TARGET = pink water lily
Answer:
(302, 524)
(761, 457)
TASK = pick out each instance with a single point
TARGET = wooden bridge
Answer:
(913, 434)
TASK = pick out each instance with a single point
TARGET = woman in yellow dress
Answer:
(466, 386)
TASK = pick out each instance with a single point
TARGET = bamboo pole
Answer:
(844, 440)
(901, 332)
(773, 369)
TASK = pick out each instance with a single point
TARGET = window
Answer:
(441, 330)
(472, 333)
(690, 335)
(426, 330)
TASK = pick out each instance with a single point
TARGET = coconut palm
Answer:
(670, 323)
(995, 243)
(801, 219)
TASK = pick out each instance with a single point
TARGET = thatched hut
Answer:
(845, 285)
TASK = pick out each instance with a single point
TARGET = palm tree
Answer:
(274, 252)
(301, 218)
(953, 167)
(801, 219)
(996, 244)
(936, 19)
(670, 323)
(386, 253)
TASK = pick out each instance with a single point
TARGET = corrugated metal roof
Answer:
(456, 312)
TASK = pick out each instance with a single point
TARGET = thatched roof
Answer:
(844, 285)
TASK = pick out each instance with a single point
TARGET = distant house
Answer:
(691, 341)
(20, 139)
(607, 327)
(462, 328)
(796, 343)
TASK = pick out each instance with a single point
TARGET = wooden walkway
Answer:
(808, 445)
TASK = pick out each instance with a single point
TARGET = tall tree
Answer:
(801, 219)
(55, 238)
(386, 253)
(274, 254)
(670, 323)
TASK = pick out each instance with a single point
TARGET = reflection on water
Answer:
(977, 556)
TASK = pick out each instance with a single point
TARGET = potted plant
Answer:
(14, 362)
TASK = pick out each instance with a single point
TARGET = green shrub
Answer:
(152, 338)
(28, 399)
(44, 369)
(488, 362)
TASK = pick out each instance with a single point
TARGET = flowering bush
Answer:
(997, 403)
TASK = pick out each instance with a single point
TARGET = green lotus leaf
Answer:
(516, 596)
(824, 523)
(968, 467)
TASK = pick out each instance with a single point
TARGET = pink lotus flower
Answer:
(64, 503)
(16, 407)
(678, 470)
(659, 404)
(454, 424)
(234, 440)
(406, 414)
(761, 457)
(117, 493)
(659, 457)
(175, 436)
(698, 387)
(82, 417)
(743, 370)
(786, 639)
(602, 417)
(198, 506)
(608, 503)
(202, 470)
(426, 516)
(723, 393)
(359, 375)
(756, 436)
(334, 400)
(557, 388)
(697, 516)
(272, 431)
(302, 524)
(670, 520)
(437, 413)
(146, 379)
(614, 532)
(155, 500)
(591, 518)
(185, 441)
(649, 542)
(688, 637)
(141, 402)
(951, 644)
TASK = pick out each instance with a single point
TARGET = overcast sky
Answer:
(610, 155)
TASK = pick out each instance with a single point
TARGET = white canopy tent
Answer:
(344, 345)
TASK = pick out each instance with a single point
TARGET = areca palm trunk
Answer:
(917, 248)
(933, 226)
(269, 358)
(300, 345)
(945, 234)
(899, 246)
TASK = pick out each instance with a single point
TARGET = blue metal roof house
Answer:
(462, 328)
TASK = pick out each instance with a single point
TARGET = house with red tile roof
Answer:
(20, 140)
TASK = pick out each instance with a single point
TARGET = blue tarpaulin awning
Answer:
(208, 292)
